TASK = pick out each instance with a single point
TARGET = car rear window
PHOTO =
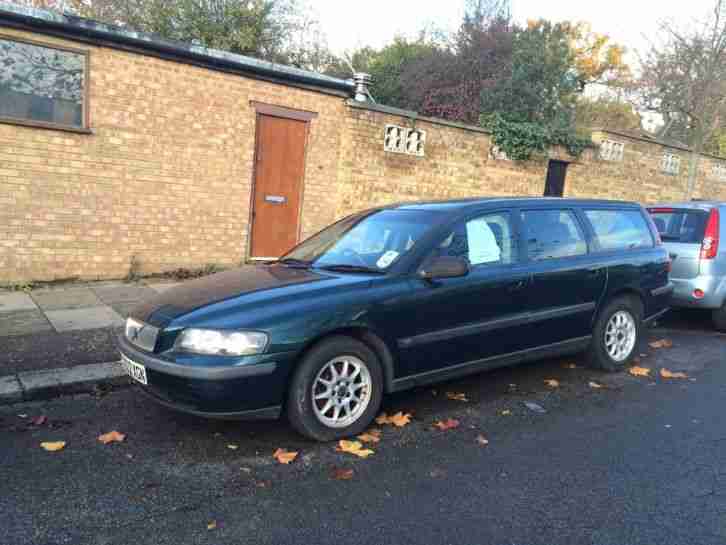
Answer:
(620, 229)
(680, 224)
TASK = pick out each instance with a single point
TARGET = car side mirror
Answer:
(444, 267)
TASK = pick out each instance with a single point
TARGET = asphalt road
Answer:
(640, 461)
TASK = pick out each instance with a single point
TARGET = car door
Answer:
(457, 320)
(567, 281)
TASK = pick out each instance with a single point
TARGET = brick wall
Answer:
(166, 175)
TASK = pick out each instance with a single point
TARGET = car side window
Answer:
(620, 229)
(484, 240)
(552, 234)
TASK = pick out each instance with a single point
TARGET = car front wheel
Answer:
(336, 390)
(616, 334)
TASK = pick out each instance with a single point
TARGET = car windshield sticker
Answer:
(483, 246)
(386, 259)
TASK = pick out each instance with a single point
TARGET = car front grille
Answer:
(142, 335)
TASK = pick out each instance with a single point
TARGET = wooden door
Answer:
(279, 171)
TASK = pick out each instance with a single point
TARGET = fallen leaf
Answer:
(130, 456)
(22, 416)
(263, 484)
(457, 396)
(245, 470)
(370, 436)
(552, 383)
(232, 447)
(437, 473)
(111, 437)
(448, 424)
(212, 525)
(663, 343)
(665, 373)
(595, 385)
(399, 419)
(284, 456)
(353, 447)
(53, 445)
(569, 366)
(505, 412)
(342, 474)
(639, 371)
(39, 420)
(482, 440)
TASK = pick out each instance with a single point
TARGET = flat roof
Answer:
(93, 32)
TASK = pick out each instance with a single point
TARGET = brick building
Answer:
(118, 147)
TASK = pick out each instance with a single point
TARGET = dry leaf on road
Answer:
(353, 447)
(370, 436)
(552, 383)
(212, 525)
(232, 447)
(448, 424)
(111, 437)
(39, 420)
(665, 373)
(594, 385)
(342, 474)
(505, 412)
(283, 456)
(457, 396)
(569, 366)
(639, 371)
(482, 440)
(399, 419)
(663, 343)
(53, 446)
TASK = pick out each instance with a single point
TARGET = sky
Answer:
(632, 23)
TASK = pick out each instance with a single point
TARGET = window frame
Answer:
(85, 93)
(584, 230)
(595, 247)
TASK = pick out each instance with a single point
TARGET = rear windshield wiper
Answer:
(351, 268)
(292, 262)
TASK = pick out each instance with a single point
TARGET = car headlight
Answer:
(221, 343)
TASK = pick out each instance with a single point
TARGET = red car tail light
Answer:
(709, 247)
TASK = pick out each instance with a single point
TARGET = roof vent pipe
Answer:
(362, 82)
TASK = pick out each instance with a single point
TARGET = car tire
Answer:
(612, 348)
(309, 396)
(719, 318)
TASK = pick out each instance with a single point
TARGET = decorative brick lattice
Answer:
(611, 150)
(671, 163)
(402, 140)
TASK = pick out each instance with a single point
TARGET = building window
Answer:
(671, 164)
(498, 154)
(611, 150)
(42, 85)
(719, 171)
(402, 140)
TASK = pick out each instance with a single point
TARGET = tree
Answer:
(684, 79)
(604, 112)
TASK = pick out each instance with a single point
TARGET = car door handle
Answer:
(516, 286)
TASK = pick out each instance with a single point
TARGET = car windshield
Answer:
(363, 243)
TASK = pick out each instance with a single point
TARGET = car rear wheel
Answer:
(719, 318)
(616, 334)
(336, 391)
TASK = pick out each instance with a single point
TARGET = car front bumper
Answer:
(713, 287)
(247, 391)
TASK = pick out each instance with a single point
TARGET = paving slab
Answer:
(10, 390)
(162, 287)
(58, 299)
(84, 318)
(124, 309)
(123, 293)
(10, 302)
(23, 322)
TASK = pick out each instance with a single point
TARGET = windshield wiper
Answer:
(351, 268)
(292, 262)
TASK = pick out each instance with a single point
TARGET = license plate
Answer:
(135, 370)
